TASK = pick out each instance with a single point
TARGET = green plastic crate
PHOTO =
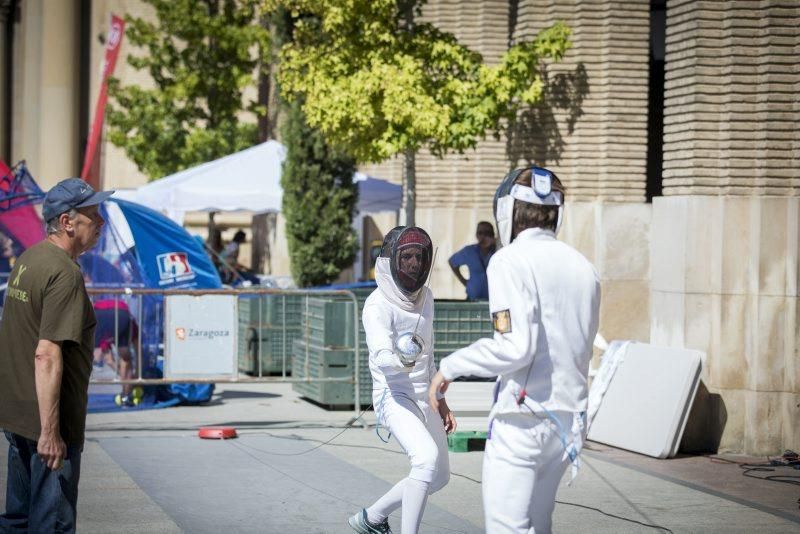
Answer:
(459, 323)
(313, 361)
(327, 324)
(272, 310)
(275, 321)
(466, 441)
(274, 343)
(328, 320)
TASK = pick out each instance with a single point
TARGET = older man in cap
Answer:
(47, 335)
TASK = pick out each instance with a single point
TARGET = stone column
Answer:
(46, 86)
(725, 235)
(597, 144)
(725, 281)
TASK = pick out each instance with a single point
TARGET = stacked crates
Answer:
(268, 324)
(325, 347)
(457, 323)
(325, 350)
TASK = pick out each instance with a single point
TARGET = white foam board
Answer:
(648, 400)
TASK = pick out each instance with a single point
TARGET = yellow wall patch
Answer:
(502, 321)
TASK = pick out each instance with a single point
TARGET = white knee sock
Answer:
(415, 495)
(387, 504)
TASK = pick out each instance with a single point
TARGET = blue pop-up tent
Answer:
(141, 248)
(150, 250)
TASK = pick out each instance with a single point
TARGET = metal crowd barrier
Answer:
(134, 299)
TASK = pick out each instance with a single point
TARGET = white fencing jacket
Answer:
(545, 302)
(388, 313)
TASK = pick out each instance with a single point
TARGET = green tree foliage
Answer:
(379, 83)
(201, 55)
(319, 198)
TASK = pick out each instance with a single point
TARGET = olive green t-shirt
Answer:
(45, 299)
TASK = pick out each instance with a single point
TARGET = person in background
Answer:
(230, 271)
(231, 251)
(116, 328)
(47, 335)
(476, 257)
(115, 332)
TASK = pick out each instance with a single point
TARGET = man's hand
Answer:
(448, 417)
(438, 384)
(52, 449)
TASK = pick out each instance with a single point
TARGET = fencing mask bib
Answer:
(541, 192)
(410, 254)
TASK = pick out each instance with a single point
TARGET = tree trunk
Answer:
(410, 181)
(267, 89)
(406, 10)
(211, 229)
(260, 252)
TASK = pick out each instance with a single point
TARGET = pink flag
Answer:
(22, 224)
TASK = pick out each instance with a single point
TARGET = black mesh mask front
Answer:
(410, 254)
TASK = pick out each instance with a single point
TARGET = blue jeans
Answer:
(39, 499)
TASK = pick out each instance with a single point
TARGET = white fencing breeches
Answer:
(420, 432)
(522, 467)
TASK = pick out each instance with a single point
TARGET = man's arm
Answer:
(457, 272)
(380, 339)
(49, 368)
(515, 313)
(455, 262)
(516, 319)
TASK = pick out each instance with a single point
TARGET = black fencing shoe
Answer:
(361, 524)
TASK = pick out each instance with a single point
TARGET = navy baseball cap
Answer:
(69, 194)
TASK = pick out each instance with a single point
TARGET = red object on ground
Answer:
(217, 432)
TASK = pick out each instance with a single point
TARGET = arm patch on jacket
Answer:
(502, 321)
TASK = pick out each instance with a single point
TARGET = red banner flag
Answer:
(90, 171)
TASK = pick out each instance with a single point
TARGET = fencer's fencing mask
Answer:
(410, 254)
(541, 193)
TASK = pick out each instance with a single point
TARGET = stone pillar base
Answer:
(725, 281)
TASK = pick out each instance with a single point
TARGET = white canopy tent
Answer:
(249, 180)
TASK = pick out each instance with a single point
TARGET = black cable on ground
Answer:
(240, 446)
(297, 480)
(658, 527)
(788, 459)
(665, 529)
(300, 438)
(312, 448)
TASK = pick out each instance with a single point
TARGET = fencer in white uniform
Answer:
(544, 297)
(398, 321)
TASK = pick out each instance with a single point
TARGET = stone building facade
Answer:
(724, 236)
(712, 262)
